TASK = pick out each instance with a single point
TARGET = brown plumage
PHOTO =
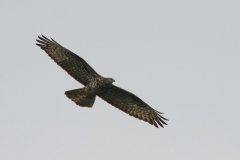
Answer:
(96, 85)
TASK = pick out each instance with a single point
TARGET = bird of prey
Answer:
(96, 85)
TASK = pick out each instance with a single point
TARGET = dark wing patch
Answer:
(132, 105)
(77, 67)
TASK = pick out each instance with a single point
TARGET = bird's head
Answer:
(110, 80)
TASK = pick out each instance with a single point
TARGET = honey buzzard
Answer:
(96, 85)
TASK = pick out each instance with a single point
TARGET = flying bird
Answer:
(96, 85)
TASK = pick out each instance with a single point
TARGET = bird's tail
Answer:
(80, 97)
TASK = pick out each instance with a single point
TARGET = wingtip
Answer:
(53, 40)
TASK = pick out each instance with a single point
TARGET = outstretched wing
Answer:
(132, 105)
(77, 67)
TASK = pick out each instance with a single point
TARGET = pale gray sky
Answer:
(180, 57)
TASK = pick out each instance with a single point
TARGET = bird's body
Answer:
(96, 85)
(85, 97)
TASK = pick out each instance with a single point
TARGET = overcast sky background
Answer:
(180, 57)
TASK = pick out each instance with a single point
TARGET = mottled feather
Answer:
(77, 67)
(132, 105)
